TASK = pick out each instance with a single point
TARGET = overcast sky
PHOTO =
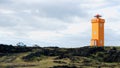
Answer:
(63, 23)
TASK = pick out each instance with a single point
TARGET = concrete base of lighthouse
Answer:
(94, 42)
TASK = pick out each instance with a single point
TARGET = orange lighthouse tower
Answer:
(97, 31)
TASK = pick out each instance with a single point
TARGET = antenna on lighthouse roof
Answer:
(97, 16)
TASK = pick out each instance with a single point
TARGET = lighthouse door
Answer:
(95, 42)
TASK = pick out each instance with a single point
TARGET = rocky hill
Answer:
(55, 57)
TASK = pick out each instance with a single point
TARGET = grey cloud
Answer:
(50, 10)
(7, 21)
(52, 16)
(75, 40)
(5, 1)
(112, 37)
(54, 9)
(64, 11)
(110, 34)
(21, 25)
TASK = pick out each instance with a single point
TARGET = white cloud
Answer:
(78, 26)
(28, 1)
(92, 5)
(27, 11)
(6, 11)
(43, 35)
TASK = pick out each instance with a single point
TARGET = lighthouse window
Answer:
(101, 41)
(94, 32)
(95, 42)
(100, 25)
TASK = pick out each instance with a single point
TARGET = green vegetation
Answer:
(55, 57)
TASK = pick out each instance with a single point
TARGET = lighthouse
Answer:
(97, 31)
